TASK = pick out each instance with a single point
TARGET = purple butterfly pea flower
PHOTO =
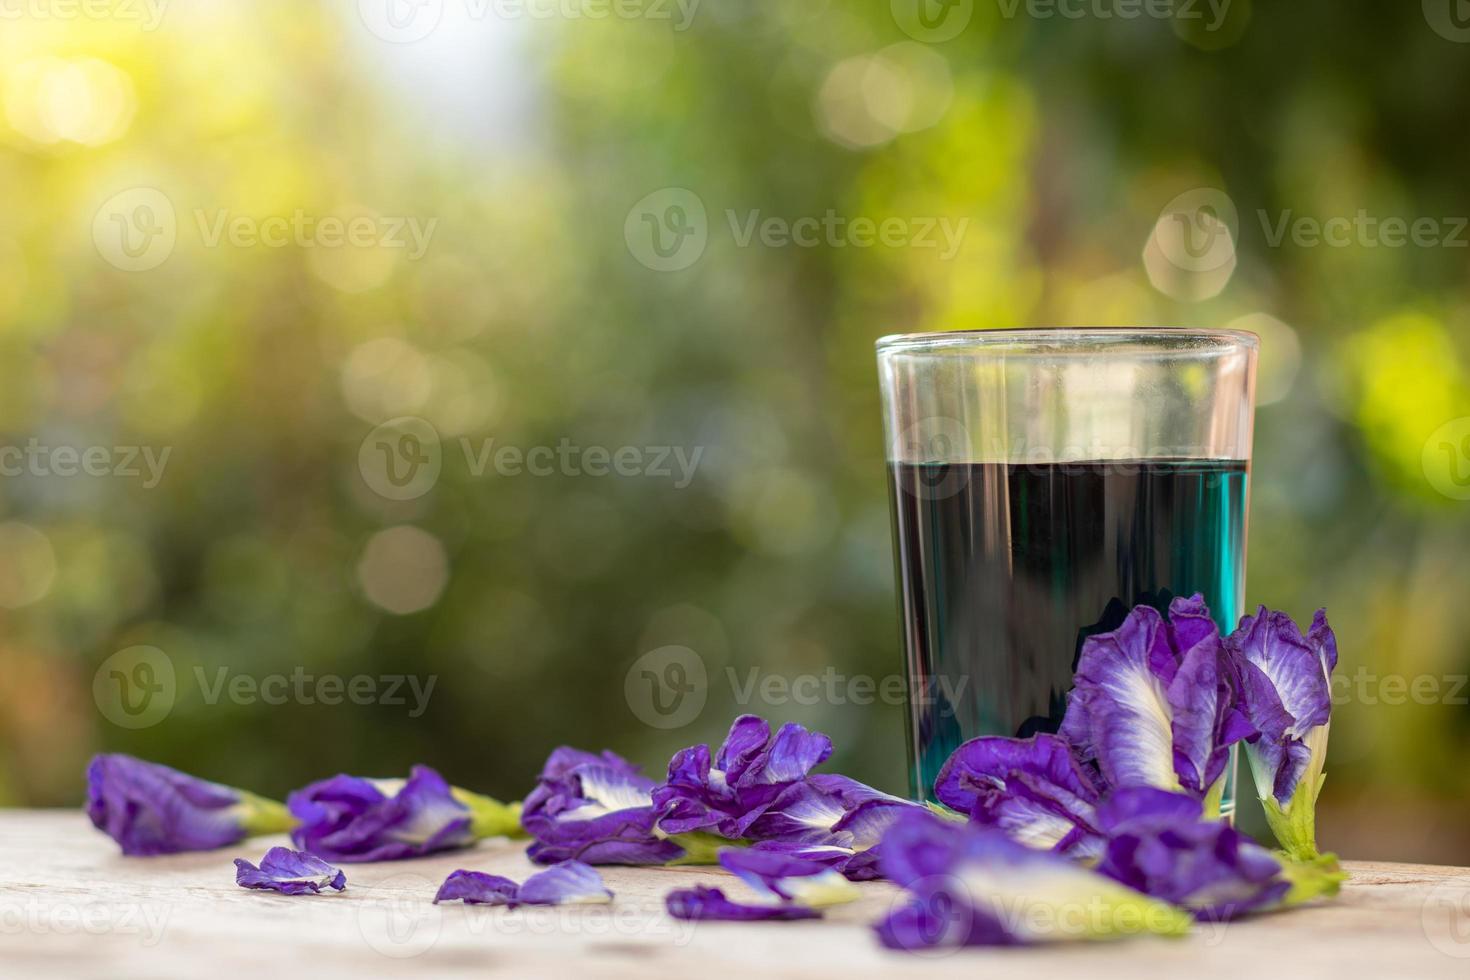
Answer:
(350, 819)
(726, 795)
(787, 887)
(289, 872)
(711, 904)
(567, 883)
(151, 809)
(830, 819)
(970, 885)
(1285, 683)
(1153, 702)
(597, 809)
(1033, 789)
(780, 877)
(1159, 844)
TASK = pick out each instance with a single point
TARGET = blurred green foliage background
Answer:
(526, 143)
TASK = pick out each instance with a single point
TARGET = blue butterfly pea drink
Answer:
(1044, 482)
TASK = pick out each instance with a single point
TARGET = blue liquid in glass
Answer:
(1004, 569)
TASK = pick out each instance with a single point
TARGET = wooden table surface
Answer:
(72, 906)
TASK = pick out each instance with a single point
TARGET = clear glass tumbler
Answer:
(1043, 483)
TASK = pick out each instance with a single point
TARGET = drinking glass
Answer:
(1043, 483)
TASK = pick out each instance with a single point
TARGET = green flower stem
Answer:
(489, 817)
(259, 815)
(701, 847)
(1216, 792)
(1320, 877)
(1295, 825)
(945, 813)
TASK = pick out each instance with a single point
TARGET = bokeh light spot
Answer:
(29, 566)
(403, 570)
(86, 101)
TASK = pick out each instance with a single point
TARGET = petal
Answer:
(1271, 642)
(935, 922)
(801, 811)
(608, 789)
(289, 872)
(983, 764)
(477, 888)
(1194, 705)
(1161, 846)
(1321, 639)
(868, 822)
(747, 739)
(1121, 702)
(645, 850)
(794, 752)
(783, 876)
(350, 819)
(710, 904)
(567, 883)
(993, 890)
(1032, 788)
(1147, 806)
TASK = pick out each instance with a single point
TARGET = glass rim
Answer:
(1094, 341)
